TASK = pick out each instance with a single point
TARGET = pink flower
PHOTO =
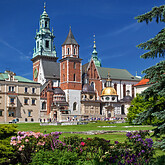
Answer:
(26, 140)
(20, 149)
(19, 142)
(82, 143)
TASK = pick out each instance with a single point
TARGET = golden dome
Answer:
(108, 91)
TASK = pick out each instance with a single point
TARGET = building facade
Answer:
(84, 87)
(19, 98)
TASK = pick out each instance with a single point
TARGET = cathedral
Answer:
(74, 91)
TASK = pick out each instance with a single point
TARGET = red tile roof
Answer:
(142, 82)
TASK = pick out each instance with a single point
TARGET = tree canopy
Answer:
(156, 74)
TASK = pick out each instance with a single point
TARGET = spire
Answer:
(70, 40)
(108, 82)
(94, 54)
(44, 6)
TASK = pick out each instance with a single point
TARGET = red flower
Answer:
(82, 143)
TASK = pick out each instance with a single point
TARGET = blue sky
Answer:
(112, 21)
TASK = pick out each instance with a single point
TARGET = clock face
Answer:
(35, 73)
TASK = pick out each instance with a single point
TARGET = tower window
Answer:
(74, 106)
(37, 44)
(132, 91)
(63, 77)
(74, 77)
(47, 44)
(63, 65)
(124, 90)
(74, 51)
(46, 24)
(74, 65)
(68, 50)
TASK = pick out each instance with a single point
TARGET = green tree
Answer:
(156, 74)
(138, 105)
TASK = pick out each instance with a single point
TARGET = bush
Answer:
(54, 157)
(7, 152)
(7, 131)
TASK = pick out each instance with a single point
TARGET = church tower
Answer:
(44, 49)
(70, 73)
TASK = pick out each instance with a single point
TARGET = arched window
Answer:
(74, 77)
(68, 50)
(122, 110)
(74, 106)
(93, 85)
(44, 105)
(115, 86)
(124, 90)
(133, 91)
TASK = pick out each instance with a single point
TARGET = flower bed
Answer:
(30, 147)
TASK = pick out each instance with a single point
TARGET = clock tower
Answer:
(44, 50)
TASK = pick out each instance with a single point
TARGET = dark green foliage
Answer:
(55, 157)
(157, 12)
(7, 130)
(156, 74)
(139, 105)
(7, 153)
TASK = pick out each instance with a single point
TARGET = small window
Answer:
(0, 113)
(11, 89)
(74, 106)
(74, 65)
(26, 119)
(29, 113)
(122, 110)
(12, 100)
(91, 96)
(37, 44)
(26, 89)
(11, 113)
(44, 105)
(33, 90)
(68, 50)
(46, 24)
(63, 77)
(33, 101)
(26, 101)
(63, 65)
(74, 77)
(32, 119)
(74, 51)
(47, 44)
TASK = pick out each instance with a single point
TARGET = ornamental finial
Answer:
(109, 77)
(94, 41)
(44, 6)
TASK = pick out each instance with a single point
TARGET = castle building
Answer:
(70, 89)
(19, 98)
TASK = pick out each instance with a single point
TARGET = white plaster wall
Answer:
(71, 97)
(41, 78)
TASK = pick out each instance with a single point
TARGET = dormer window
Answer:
(47, 44)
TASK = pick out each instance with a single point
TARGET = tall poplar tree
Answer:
(155, 48)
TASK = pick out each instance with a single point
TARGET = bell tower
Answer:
(44, 48)
(70, 73)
